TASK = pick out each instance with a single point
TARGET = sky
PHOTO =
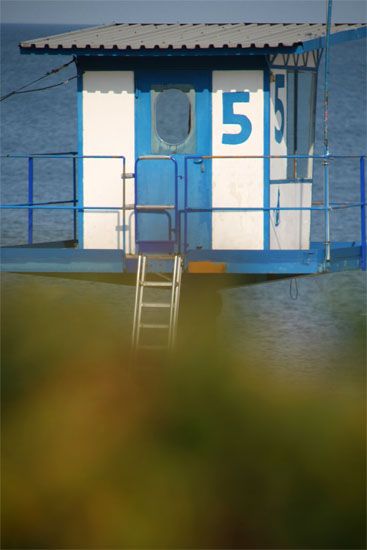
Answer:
(96, 12)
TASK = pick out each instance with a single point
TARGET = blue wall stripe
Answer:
(80, 161)
(266, 160)
(172, 63)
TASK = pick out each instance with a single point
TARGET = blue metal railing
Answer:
(60, 204)
(30, 191)
(327, 208)
(76, 207)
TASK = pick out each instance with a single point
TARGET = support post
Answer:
(327, 208)
(30, 200)
(75, 202)
(363, 214)
(326, 134)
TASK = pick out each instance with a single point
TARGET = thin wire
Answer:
(49, 73)
(47, 87)
(293, 292)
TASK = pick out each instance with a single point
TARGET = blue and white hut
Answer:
(195, 140)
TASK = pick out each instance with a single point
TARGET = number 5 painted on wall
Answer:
(279, 107)
(229, 117)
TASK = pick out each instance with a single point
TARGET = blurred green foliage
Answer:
(195, 450)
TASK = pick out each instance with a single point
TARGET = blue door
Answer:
(172, 123)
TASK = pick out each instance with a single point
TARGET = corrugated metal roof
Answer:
(126, 36)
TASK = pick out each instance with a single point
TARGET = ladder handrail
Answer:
(137, 291)
(177, 300)
(172, 312)
(173, 304)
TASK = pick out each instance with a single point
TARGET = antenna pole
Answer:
(326, 133)
(326, 78)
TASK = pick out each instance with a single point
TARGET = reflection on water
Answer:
(311, 332)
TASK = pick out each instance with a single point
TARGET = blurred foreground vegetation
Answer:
(199, 450)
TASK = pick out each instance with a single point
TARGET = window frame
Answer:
(158, 144)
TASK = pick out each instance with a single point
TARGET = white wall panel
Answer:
(293, 229)
(108, 129)
(238, 183)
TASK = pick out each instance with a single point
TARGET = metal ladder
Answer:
(173, 305)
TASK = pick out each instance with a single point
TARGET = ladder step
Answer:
(152, 256)
(156, 284)
(156, 304)
(155, 325)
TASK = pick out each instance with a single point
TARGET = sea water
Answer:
(304, 329)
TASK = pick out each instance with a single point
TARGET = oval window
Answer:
(172, 112)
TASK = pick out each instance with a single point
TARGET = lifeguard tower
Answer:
(195, 141)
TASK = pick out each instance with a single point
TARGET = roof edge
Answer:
(224, 41)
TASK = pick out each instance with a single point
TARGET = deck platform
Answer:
(264, 264)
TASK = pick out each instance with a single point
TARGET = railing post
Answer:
(124, 205)
(363, 214)
(177, 221)
(185, 247)
(327, 207)
(30, 200)
(75, 201)
(135, 203)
